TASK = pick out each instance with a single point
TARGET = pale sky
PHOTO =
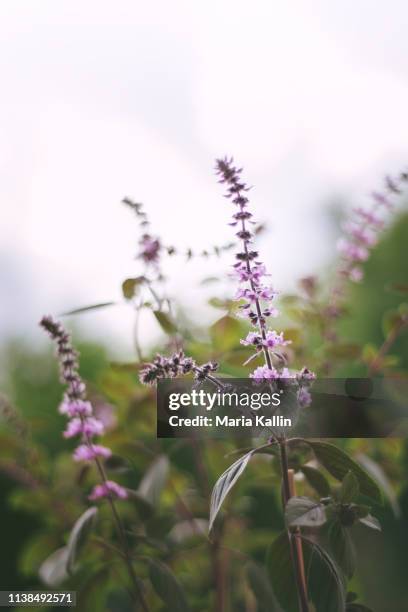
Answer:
(104, 99)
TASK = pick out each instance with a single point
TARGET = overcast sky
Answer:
(104, 99)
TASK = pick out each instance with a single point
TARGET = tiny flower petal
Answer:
(107, 489)
(304, 398)
(88, 426)
(264, 373)
(356, 274)
(87, 453)
(73, 408)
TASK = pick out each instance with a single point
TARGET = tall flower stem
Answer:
(295, 549)
(236, 191)
(84, 423)
(122, 538)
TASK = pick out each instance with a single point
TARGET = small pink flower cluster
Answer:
(362, 232)
(81, 421)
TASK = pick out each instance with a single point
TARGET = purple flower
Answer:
(352, 251)
(172, 367)
(303, 397)
(74, 408)
(256, 273)
(356, 274)
(265, 373)
(381, 199)
(107, 489)
(273, 339)
(266, 293)
(88, 427)
(361, 234)
(86, 452)
(252, 338)
(369, 217)
(149, 249)
(306, 375)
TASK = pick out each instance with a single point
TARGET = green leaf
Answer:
(225, 333)
(371, 522)
(79, 535)
(349, 489)
(87, 309)
(53, 571)
(143, 506)
(357, 607)
(338, 464)
(317, 480)
(261, 588)
(165, 322)
(130, 286)
(280, 571)
(116, 463)
(377, 472)
(398, 288)
(218, 303)
(343, 548)
(154, 480)
(304, 512)
(391, 318)
(326, 584)
(370, 353)
(167, 587)
(225, 483)
(344, 351)
(360, 510)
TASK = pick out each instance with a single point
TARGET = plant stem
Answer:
(122, 538)
(295, 549)
(389, 341)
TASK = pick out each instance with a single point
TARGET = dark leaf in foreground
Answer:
(261, 588)
(338, 464)
(342, 547)
(167, 587)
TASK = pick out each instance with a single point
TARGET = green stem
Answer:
(122, 538)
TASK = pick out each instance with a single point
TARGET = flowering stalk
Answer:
(258, 308)
(258, 297)
(178, 365)
(151, 248)
(82, 422)
(362, 233)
